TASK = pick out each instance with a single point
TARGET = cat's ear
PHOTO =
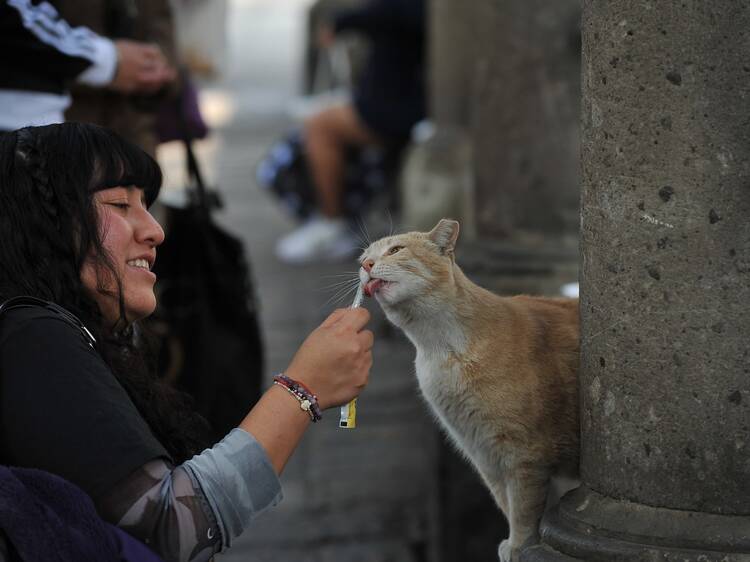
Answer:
(445, 235)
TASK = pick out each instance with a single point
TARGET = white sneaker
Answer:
(319, 239)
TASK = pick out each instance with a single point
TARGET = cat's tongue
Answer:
(372, 286)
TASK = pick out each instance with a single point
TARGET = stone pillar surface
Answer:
(451, 46)
(525, 118)
(666, 151)
(437, 178)
(665, 308)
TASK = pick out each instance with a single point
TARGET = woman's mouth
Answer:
(141, 263)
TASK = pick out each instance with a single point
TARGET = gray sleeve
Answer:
(238, 481)
(192, 511)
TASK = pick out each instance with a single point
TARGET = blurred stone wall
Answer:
(524, 118)
(505, 103)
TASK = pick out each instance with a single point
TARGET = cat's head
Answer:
(403, 267)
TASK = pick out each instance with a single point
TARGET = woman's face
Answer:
(130, 236)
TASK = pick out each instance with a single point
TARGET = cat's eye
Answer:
(394, 249)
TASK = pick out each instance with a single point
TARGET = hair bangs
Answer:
(119, 163)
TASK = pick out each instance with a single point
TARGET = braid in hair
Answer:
(34, 159)
(48, 224)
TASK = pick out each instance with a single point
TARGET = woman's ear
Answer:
(445, 235)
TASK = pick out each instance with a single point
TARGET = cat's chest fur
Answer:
(458, 406)
(439, 376)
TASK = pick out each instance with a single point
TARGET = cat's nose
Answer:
(367, 265)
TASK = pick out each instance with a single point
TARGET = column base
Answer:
(589, 526)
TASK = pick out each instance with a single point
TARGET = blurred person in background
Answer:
(388, 100)
(130, 114)
(43, 54)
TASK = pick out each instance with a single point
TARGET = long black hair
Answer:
(49, 227)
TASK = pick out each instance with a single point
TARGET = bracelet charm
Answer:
(308, 402)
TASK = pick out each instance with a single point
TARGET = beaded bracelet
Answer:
(308, 402)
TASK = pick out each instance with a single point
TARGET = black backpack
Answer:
(207, 316)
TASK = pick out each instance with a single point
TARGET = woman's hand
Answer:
(334, 361)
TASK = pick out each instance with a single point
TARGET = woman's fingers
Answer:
(354, 318)
(334, 317)
(335, 359)
(366, 339)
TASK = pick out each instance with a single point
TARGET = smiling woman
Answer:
(129, 237)
(78, 399)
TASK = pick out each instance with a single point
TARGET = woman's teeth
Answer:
(139, 263)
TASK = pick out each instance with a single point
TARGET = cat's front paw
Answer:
(504, 551)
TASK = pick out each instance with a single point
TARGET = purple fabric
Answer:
(132, 550)
(47, 518)
(180, 117)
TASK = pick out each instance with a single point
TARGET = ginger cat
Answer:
(500, 374)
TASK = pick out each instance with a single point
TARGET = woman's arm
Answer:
(194, 510)
(164, 507)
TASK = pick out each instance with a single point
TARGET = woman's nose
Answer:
(367, 264)
(151, 231)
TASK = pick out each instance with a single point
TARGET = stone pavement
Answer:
(367, 494)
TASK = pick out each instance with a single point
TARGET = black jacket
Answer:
(40, 51)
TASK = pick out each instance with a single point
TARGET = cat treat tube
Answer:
(348, 417)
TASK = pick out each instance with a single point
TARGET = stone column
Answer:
(525, 119)
(437, 179)
(504, 98)
(665, 372)
(524, 132)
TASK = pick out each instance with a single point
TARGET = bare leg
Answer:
(527, 492)
(327, 134)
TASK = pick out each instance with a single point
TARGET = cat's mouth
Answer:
(374, 285)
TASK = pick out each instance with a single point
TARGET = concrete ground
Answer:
(367, 494)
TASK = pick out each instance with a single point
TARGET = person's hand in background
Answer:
(141, 68)
(326, 36)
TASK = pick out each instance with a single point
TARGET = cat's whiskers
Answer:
(338, 284)
(336, 303)
(390, 222)
(340, 274)
(363, 236)
(367, 233)
(343, 290)
(343, 297)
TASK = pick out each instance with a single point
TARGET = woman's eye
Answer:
(394, 250)
(121, 205)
